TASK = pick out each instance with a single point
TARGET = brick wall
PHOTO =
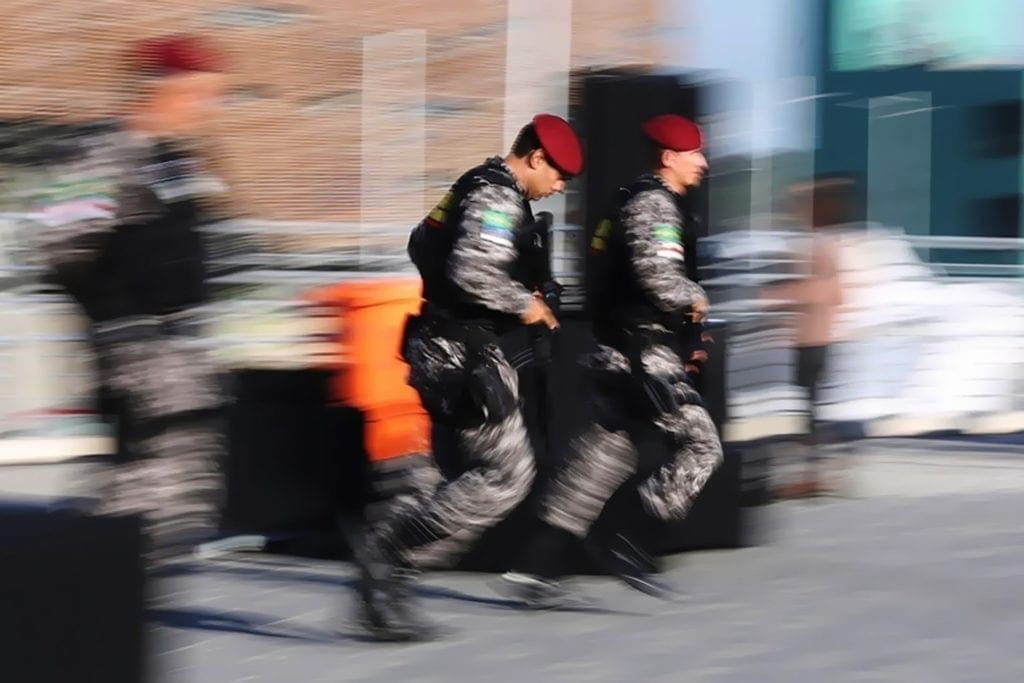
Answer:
(296, 141)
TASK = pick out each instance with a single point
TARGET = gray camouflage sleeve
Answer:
(89, 198)
(654, 236)
(485, 250)
(74, 214)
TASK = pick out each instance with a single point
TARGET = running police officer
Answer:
(467, 252)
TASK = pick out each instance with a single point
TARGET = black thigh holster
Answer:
(469, 396)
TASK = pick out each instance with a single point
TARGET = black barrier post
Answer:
(72, 589)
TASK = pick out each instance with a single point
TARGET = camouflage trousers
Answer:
(604, 457)
(481, 471)
(168, 400)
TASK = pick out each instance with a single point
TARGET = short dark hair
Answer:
(653, 153)
(526, 141)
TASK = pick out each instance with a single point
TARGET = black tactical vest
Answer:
(615, 299)
(431, 243)
(153, 263)
(162, 261)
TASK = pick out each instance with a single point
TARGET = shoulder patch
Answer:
(599, 242)
(439, 214)
(68, 202)
(669, 239)
(496, 226)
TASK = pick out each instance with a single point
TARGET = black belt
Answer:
(450, 318)
(476, 331)
(434, 320)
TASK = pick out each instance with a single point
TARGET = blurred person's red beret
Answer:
(559, 142)
(674, 132)
(176, 54)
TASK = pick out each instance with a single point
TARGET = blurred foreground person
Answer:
(468, 251)
(118, 230)
(815, 298)
(652, 445)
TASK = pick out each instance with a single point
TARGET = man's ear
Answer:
(535, 159)
(666, 158)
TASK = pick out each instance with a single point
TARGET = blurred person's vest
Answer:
(159, 262)
(152, 259)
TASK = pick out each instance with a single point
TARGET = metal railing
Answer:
(921, 346)
(259, 318)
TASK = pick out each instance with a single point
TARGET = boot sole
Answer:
(517, 590)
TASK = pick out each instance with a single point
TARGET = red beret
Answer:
(559, 142)
(176, 54)
(671, 131)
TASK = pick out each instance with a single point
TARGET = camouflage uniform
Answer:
(117, 229)
(466, 251)
(604, 457)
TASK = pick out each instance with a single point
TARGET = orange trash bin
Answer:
(369, 373)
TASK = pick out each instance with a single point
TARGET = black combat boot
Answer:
(622, 543)
(535, 581)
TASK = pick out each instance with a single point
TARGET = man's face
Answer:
(688, 167)
(189, 102)
(543, 179)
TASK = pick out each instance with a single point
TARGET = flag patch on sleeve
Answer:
(669, 241)
(66, 203)
(496, 227)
